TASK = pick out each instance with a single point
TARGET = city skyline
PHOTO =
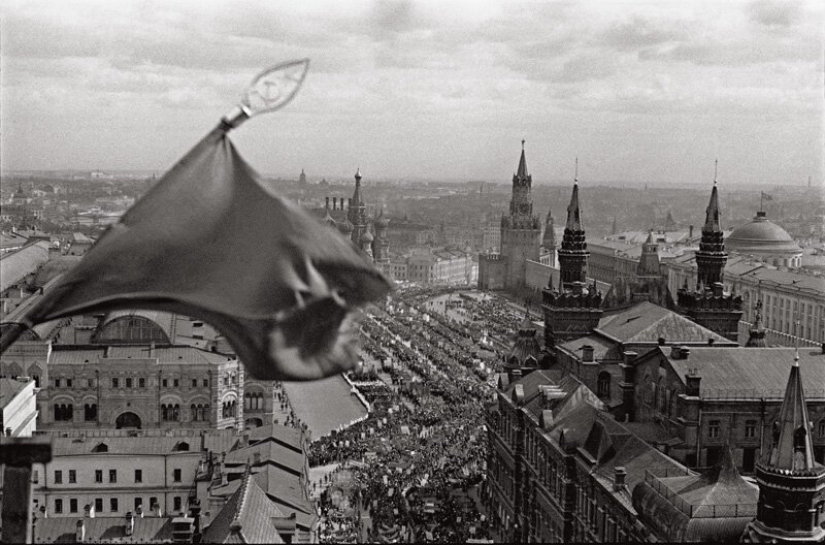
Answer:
(640, 91)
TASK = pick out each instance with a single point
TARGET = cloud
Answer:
(775, 13)
(640, 32)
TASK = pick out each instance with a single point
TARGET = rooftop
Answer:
(184, 355)
(750, 373)
(647, 322)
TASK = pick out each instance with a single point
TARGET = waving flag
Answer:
(212, 242)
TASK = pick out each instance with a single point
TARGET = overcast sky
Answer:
(646, 91)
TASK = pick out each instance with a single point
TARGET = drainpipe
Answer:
(97, 412)
(699, 435)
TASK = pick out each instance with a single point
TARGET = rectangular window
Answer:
(138, 504)
(98, 475)
(73, 505)
(35, 476)
(141, 383)
(714, 427)
(750, 429)
(175, 383)
(98, 505)
(176, 474)
(113, 505)
(138, 475)
(194, 383)
(165, 383)
(128, 383)
(177, 504)
(58, 506)
(57, 383)
(68, 383)
(72, 476)
(153, 502)
(58, 477)
(206, 383)
(113, 475)
(115, 383)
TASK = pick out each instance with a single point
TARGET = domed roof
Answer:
(367, 237)
(761, 236)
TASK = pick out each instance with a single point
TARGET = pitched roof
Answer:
(9, 388)
(15, 266)
(67, 355)
(246, 517)
(71, 446)
(750, 372)
(522, 165)
(647, 322)
(103, 530)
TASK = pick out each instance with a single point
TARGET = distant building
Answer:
(368, 234)
(439, 267)
(520, 238)
(763, 239)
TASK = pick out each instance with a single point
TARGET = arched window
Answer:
(246, 401)
(90, 412)
(176, 413)
(260, 401)
(164, 413)
(193, 412)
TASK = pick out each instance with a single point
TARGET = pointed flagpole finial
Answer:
(576, 176)
(715, 170)
(271, 89)
(522, 144)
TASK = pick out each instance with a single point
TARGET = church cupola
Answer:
(791, 483)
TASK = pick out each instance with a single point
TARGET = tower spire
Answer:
(792, 450)
(522, 165)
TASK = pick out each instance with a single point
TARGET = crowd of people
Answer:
(419, 457)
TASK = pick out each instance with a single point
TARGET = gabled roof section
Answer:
(246, 517)
(647, 322)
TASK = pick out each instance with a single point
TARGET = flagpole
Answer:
(270, 90)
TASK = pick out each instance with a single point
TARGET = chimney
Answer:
(587, 353)
(690, 232)
(89, 511)
(80, 532)
(693, 381)
(662, 341)
(711, 340)
(685, 352)
(195, 513)
(327, 203)
(619, 475)
(130, 523)
(676, 352)
(256, 458)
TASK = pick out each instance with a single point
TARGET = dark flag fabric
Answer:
(766, 196)
(212, 242)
